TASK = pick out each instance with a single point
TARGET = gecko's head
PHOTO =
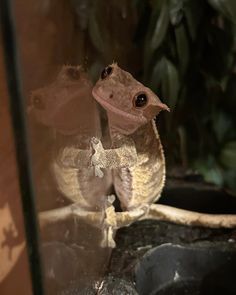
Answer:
(57, 105)
(129, 103)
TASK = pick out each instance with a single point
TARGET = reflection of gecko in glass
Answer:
(12, 239)
(68, 108)
(135, 159)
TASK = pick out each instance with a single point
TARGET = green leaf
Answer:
(176, 11)
(214, 175)
(209, 170)
(182, 48)
(221, 124)
(165, 76)
(160, 29)
(98, 33)
(169, 83)
(157, 75)
(228, 155)
(226, 7)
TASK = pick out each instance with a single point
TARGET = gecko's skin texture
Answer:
(135, 160)
(131, 108)
(64, 106)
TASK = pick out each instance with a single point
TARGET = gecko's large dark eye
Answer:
(106, 72)
(140, 100)
(38, 103)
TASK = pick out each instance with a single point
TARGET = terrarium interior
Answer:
(95, 75)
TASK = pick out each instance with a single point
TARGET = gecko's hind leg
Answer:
(185, 217)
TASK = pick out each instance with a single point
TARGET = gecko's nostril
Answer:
(111, 95)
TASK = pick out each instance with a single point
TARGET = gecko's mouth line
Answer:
(115, 110)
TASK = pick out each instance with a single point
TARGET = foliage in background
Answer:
(186, 53)
(189, 58)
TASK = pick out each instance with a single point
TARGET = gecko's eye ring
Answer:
(73, 73)
(140, 100)
(37, 103)
(106, 72)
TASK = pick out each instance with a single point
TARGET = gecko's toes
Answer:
(98, 172)
(95, 140)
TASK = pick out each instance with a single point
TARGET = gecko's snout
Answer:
(162, 106)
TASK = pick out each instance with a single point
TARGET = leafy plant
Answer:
(189, 59)
(184, 50)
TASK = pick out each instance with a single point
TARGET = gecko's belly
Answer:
(141, 184)
(81, 186)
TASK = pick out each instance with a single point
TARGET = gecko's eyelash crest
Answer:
(106, 72)
(140, 100)
(38, 103)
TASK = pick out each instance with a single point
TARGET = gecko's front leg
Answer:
(125, 155)
(98, 158)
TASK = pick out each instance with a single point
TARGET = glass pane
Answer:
(182, 51)
(14, 270)
(62, 117)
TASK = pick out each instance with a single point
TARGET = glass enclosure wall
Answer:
(183, 50)
(53, 40)
(14, 268)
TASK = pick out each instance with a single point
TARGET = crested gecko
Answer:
(136, 156)
(135, 159)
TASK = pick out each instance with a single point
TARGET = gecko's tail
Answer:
(185, 217)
